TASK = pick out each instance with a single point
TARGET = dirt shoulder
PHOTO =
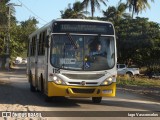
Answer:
(151, 92)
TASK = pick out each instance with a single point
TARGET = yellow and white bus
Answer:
(73, 58)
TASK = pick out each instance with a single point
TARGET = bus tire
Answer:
(48, 99)
(96, 99)
(32, 88)
(42, 84)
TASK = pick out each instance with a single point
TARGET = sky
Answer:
(46, 10)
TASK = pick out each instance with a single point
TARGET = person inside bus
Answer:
(97, 51)
(96, 58)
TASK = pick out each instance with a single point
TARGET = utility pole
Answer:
(10, 5)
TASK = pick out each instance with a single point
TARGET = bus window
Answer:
(33, 46)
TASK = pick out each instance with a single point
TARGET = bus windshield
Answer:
(92, 52)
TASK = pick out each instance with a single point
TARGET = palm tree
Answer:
(116, 13)
(137, 6)
(78, 10)
(93, 4)
(74, 12)
(67, 13)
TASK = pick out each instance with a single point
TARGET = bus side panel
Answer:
(32, 63)
(40, 70)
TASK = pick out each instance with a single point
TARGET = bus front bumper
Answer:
(81, 91)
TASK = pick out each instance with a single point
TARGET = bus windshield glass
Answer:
(92, 52)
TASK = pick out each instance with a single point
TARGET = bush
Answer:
(139, 81)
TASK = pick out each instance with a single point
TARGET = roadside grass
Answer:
(137, 81)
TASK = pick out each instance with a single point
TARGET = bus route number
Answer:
(56, 70)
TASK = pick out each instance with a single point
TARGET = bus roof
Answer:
(82, 20)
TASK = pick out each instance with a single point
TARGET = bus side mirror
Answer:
(47, 41)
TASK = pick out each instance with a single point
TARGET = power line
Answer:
(32, 12)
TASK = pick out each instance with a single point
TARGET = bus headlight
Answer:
(58, 80)
(107, 81)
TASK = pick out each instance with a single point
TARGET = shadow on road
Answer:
(19, 93)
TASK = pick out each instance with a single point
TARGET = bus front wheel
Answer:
(96, 99)
(48, 99)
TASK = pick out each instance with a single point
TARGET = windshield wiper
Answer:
(72, 41)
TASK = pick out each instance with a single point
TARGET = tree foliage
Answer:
(20, 34)
(137, 6)
(74, 12)
(114, 14)
(93, 4)
(138, 40)
(3, 24)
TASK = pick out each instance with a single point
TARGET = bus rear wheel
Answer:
(42, 84)
(96, 99)
(32, 88)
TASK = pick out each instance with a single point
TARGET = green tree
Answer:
(93, 4)
(3, 25)
(114, 14)
(74, 12)
(137, 6)
(18, 32)
(138, 40)
(19, 36)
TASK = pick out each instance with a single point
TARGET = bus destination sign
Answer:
(83, 27)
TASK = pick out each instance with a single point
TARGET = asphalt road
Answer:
(15, 95)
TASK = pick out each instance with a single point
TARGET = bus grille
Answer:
(77, 90)
(79, 83)
(84, 76)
